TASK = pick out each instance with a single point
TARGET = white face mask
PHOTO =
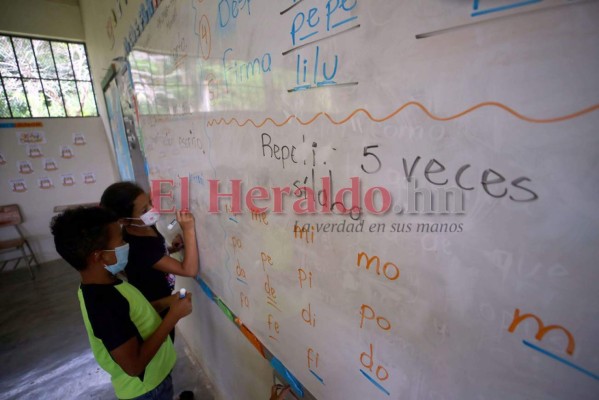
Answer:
(149, 218)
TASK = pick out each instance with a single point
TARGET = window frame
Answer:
(39, 79)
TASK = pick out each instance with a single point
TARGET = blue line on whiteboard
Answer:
(234, 220)
(317, 377)
(326, 83)
(475, 5)
(207, 291)
(503, 8)
(378, 385)
(284, 372)
(308, 35)
(300, 88)
(7, 125)
(242, 281)
(568, 363)
(320, 85)
(343, 22)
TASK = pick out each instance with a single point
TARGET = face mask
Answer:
(150, 218)
(122, 256)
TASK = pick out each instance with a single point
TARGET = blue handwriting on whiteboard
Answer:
(309, 70)
(476, 11)
(244, 71)
(305, 25)
(229, 9)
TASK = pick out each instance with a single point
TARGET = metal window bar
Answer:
(64, 106)
(76, 86)
(90, 75)
(39, 73)
(20, 76)
(5, 95)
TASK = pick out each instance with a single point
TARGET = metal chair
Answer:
(10, 216)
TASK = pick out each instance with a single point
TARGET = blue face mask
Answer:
(122, 256)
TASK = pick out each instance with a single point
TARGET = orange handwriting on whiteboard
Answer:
(542, 329)
(367, 313)
(259, 216)
(390, 270)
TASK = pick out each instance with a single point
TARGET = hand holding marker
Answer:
(174, 221)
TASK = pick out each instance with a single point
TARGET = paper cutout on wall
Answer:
(50, 164)
(18, 185)
(66, 152)
(89, 178)
(34, 151)
(45, 182)
(79, 139)
(2, 159)
(36, 137)
(67, 179)
(24, 167)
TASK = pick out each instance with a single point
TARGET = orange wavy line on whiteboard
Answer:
(400, 109)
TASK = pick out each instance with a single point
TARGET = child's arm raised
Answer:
(133, 356)
(190, 264)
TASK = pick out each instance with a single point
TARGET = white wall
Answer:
(60, 19)
(104, 37)
(55, 19)
(37, 204)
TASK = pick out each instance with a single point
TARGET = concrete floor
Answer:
(44, 350)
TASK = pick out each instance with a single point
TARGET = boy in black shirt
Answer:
(127, 336)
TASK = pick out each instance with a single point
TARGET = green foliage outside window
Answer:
(44, 78)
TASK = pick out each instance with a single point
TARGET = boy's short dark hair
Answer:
(79, 232)
(119, 198)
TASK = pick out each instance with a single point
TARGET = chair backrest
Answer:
(10, 215)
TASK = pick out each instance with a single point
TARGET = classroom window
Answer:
(44, 78)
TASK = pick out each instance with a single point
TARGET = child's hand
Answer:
(177, 244)
(181, 307)
(186, 221)
(276, 395)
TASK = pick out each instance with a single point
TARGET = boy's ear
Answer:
(95, 257)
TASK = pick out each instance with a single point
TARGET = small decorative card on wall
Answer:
(34, 151)
(79, 139)
(50, 164)
(24, 167)
(18, 185)
(89, 178)
(37, 137)
(66, 152)
(67, 179)
(45, 182)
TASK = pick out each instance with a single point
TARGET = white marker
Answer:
(172, 224)
(182, 292)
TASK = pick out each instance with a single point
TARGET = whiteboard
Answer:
(492, 106)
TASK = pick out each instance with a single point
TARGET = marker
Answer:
(182, 292)
(172, 224)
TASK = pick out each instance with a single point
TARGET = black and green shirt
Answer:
(113, 314)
